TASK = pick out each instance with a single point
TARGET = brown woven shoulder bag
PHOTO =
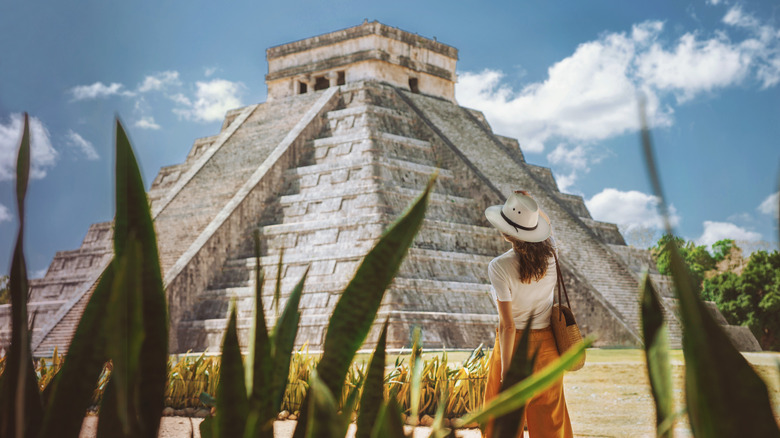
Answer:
(564, 326)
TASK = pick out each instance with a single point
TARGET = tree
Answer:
(722, 249)
(697, 258)
(752, 298)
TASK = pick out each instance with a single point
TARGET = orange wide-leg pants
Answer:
(546, 413)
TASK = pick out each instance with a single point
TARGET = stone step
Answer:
(336, 176)
(197, 202)
(362, 116)
(366, 197)
(374, 143)
(62, 333)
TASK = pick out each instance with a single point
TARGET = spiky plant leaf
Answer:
(373, 389)
(415, 378)
(323, 417)
(259, 367)
(520, 368)
(283, 342)
(72, 390)
(356, 309)
(232, 403)
(724, 395)
(259, 346)
(109, 423)
(655, 337)
(516, 396)
(278, 287)
(208, 428)
(21, 407)
(125, 338)
(133, 225)
(345, 416)
(388, 423)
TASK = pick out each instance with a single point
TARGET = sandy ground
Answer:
(609, 397)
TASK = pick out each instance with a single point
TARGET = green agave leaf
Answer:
(259, 345)
(356, 309)
(232, 403)
(725, 397)
(284, 334)
(109, 423)
(73, 389)
(208, 428)
(416, 375)
(520, 368)
(373, 389)
(278, 287)
(133, 223)
(124, 325)
(323, 417)
(388, 423)
(19, 396)
(345, 416)
(516, 396)
(260, 363)
(655, 337)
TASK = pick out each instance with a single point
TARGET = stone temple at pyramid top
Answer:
(371, 51)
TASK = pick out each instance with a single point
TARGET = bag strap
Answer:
(561, 285)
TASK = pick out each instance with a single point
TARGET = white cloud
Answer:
(180, 99)
(212, 100)
(770, 205)
(210, 71)
(631, 210)
(646, 31)
(160, 81)
(591, 95)
(98, 90)
(571, 161)
(764, 46)
(85, 147)
(43, 155)
(693, 66)
(715, 231)
(573, 157)
(713, 2)
(736, 17)
(147, 123)
(588, 96)
(5, 215)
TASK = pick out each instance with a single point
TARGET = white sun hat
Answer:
(519, 218)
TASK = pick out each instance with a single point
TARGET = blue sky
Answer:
(562, 77)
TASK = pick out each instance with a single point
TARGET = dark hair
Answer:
(534, 258)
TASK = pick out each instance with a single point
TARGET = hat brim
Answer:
(540, 233)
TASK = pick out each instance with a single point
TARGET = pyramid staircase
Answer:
(374, 153)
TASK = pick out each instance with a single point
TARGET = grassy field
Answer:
(611, 396)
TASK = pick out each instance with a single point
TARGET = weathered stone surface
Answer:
(320, 176)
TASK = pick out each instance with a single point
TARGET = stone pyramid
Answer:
(355, 123)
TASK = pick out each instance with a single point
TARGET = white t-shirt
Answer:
(527, 298)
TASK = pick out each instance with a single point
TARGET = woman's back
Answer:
(534, 298)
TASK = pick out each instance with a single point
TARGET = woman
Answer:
(522, 281)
